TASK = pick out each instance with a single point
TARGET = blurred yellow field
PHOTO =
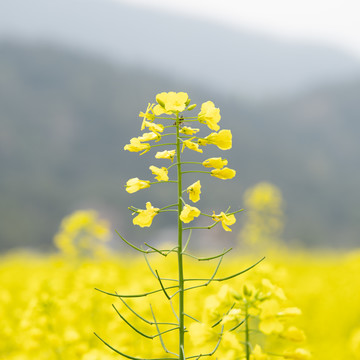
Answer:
(49, 308)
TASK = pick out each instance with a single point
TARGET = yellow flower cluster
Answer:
(82, 233)
(265, 220)
(255, 308)
(172, 104)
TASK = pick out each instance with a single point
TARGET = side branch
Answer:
(129, 356)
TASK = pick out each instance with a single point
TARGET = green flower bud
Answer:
(191, 107)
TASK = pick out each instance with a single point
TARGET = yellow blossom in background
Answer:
(191, 145)
(298, 354)
(354, 343)
(135, 184)
(264, 196)
(269, 321)
(217, 163)
(194, 191)
(161, 174)
(149, 136)
(230, 341)
(156, 128)
(188, 213)
(202, 334)
(53, 302)
(273, 289)
(80, 233)
(222, 139)
(145, 217)
(187, 130)
(224, 173)
(210, 115)
(171, 102)
(294, 334)
(264, 219)
(248, 291)
(234, 316)
(65, 243)
(136, 145)
(290, 312)
(166, 154)
(257, 354)
(226, 220)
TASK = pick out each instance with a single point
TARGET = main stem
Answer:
(180, 247)
(247, 332)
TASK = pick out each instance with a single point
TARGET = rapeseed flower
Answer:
(161, 174)
(149, 136)
(166, 154)
(210, 115)
(225, 220)
(222, 139)
(136, 146)
(188, 213)
(171, 102)
(187, 130)
(224, 173)
(191, 145)
(158, 128)
(145, 217)
(135, 184)
(146, 115)
(194, 191)
(217, 163)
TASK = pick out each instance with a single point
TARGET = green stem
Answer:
(192, 162)
(185, 162)
(180, 247)
(247, 335)
(166, 144)
(196, 171)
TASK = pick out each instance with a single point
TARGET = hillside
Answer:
(198, 52)
(64, 119)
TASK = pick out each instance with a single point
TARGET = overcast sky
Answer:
(334, 22)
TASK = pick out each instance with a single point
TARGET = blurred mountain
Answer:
(197, 52)
(65, 118)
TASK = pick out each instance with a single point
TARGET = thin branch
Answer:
(162, 286)
(155, 249)
(136, 295)
(191, 317)
(208, 258)
(131, 245)
(160, 337)
(236, 326)
(132, 326)
(142, 318)
(173, 310)
(239, 273)
(205, 284)
(128, 356)
(148, 264)
(187, 242)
